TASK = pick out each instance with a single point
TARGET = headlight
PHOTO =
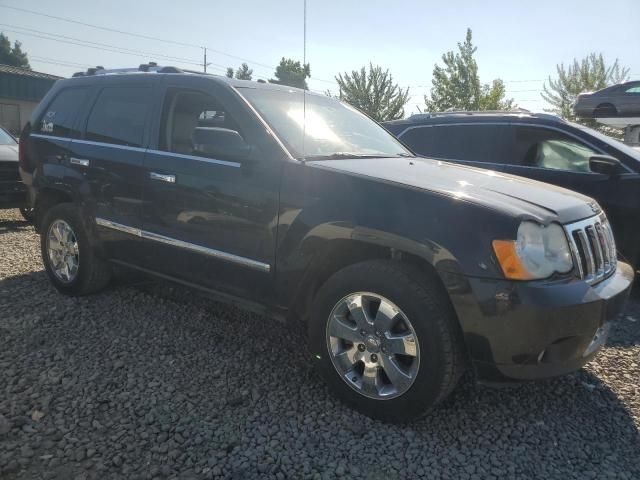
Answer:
(538, 252)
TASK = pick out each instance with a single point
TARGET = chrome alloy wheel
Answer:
(63, 252)
(373, 345)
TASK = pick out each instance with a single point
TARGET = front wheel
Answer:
(385, 338)
(68, 256)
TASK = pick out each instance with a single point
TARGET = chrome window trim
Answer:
(195, 157)
(214, 161)
(106, 144)
(230, 257)
(518, 124)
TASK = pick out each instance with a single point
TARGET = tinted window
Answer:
(119, 116)
(60, 117)
(477, 143)
(546, 148)
(184, 112)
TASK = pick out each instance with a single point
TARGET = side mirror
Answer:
(220, 142)
(604, 164)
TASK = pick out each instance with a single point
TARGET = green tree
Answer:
(291, 73)
(456, 86)
(13, 56)
(229, 73)
(373, 92)
(244, 72)
(589, 74)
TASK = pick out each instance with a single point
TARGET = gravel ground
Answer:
(139, 382)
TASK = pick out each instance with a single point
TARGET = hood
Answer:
(514, 195)
(8, 153)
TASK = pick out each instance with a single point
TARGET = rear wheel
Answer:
(605, 110)
(68, 256)
(385, 338)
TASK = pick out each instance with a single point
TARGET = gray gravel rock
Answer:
(148, 380)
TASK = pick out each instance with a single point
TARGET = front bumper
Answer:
(532, 330)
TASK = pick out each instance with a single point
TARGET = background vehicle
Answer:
(542, 147)
(622, 100)
(403, 270)
(13, 193)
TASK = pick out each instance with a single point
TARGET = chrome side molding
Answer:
(229, 257)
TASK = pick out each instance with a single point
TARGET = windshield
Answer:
(333, 129)
(617, 144)
(5, 138)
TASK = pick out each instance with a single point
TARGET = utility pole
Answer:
(205, 64)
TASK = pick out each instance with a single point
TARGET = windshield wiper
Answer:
(341, 155)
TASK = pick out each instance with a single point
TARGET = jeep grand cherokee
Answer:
(404, 270)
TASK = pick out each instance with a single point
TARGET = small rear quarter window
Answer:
(60, 117)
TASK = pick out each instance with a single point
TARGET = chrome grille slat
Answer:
(593, 248)
(597, 250)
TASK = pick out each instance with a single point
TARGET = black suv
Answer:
(542, 147)
(403, 270)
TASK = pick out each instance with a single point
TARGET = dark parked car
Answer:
(621, 100)
(542, 147)
(13, 193)
(404, 270)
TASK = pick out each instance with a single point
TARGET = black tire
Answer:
(93, 273)
(424, 301)
(27, 213)
(605, 110)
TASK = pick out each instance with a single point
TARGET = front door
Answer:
(208, 220)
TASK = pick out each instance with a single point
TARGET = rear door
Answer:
(50, 136)
(476, 144)
(109, 158)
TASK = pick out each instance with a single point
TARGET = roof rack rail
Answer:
(515, 111)
(145, 67)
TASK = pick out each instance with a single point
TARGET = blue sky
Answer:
(520, 42)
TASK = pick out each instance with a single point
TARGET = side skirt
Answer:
(276, 314)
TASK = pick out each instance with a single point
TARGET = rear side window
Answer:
(60, 117)
(119, 115)
(473, 143)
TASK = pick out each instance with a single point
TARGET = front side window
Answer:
(60, 116)
(316, 127)
(635, 89)
(472, 142)
(119, 115)
(186, 111)
(546, 148)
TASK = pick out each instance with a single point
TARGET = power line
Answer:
(149, 37)
(97, 45)
(53, 61)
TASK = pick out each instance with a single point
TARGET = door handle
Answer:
(79, 161)
(162, 177)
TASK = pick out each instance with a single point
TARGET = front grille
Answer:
(593, 248)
